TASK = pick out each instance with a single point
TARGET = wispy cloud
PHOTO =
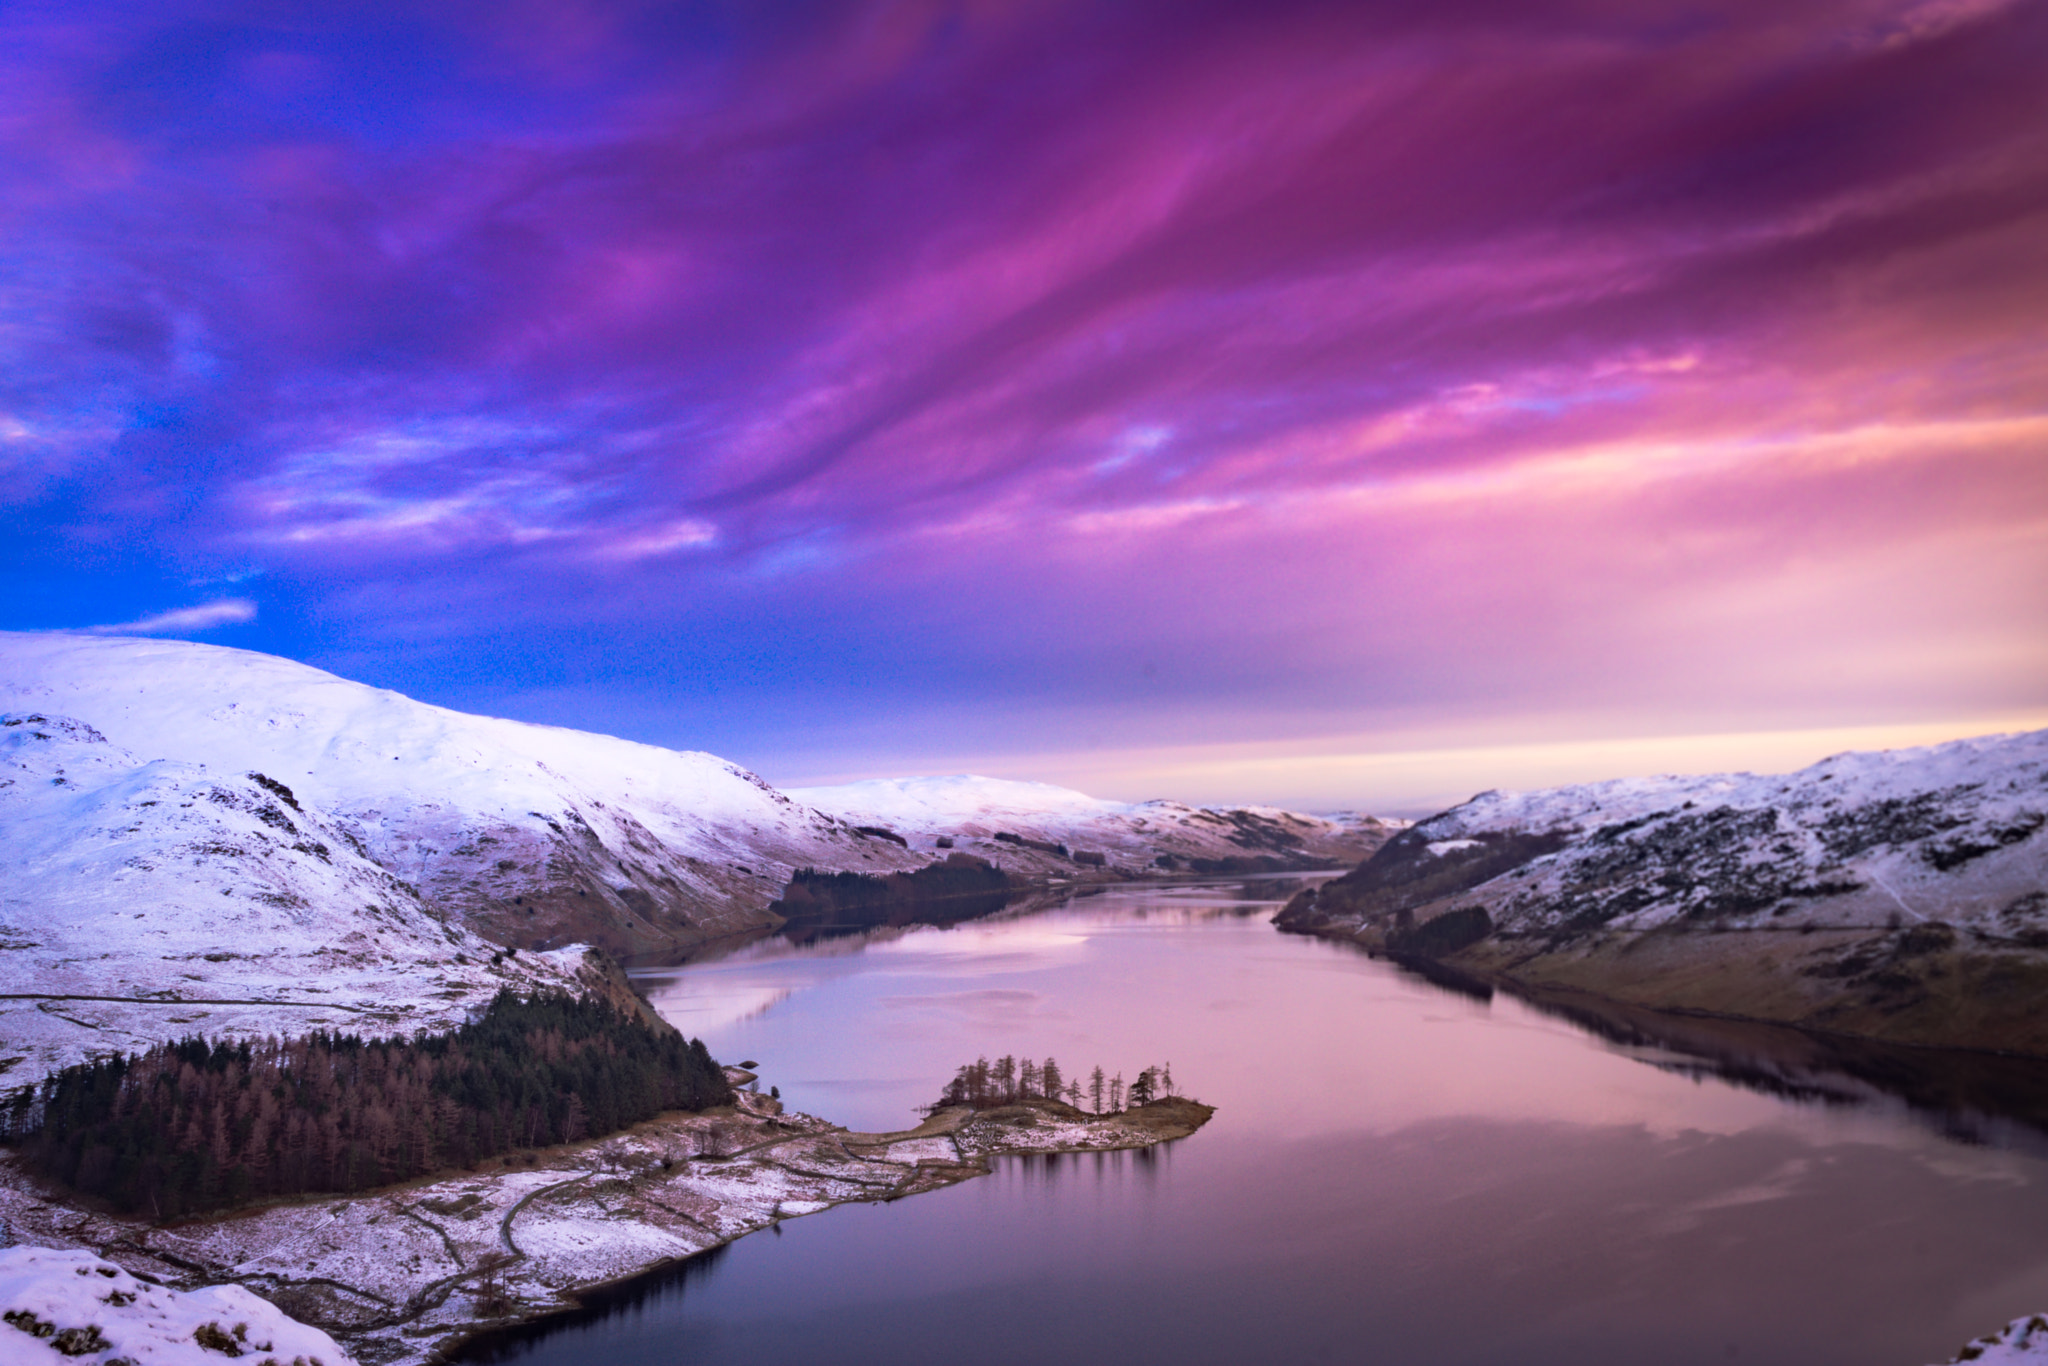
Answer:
(1422, 357)
(686, 534)
(205, 617)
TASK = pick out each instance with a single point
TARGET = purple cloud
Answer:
(1353, 361)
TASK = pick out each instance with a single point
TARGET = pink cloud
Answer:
(1354, 359)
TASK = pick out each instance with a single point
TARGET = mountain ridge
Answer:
(215, 840)
(537, 836)
(1012, 822)
(1894, 894)
(149, 900)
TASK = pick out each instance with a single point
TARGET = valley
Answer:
(212, 843)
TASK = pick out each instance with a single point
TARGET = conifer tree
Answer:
(1116, 1093)
(195, 1125)
(1050, 1082)
(978, 1081)
(1141, 1089)
(1095, 1088)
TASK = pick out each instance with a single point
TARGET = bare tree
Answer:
(1116, 1093)
(491, 1299)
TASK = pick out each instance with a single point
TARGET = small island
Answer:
(1019, 1106)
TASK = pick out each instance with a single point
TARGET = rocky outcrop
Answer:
(600, 976)
(1899, 896)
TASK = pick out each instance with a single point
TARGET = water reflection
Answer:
(627, 1307)
(1968, 1097)
(1397, 1171)
(1972, 1098)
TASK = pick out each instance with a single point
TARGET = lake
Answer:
(1396, 1172)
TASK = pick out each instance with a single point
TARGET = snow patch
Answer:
(2022, 1340)
(789, 1208)
(60, 1307)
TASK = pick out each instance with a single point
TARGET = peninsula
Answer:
(406, 1274)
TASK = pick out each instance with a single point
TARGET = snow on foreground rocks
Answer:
(71, 1306)
(144, 901)
(2022, 1340)
(535, 836)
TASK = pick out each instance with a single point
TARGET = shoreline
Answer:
(1997, 1095)
(1691, 979)
(1032, 895)
(412, 1274)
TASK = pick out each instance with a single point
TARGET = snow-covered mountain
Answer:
(211, 840)
(144, 900)
(1902, 894)
(1022, 826)
(534, 836)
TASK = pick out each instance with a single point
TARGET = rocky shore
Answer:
(404, 1275)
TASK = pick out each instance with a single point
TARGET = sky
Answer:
(1338, 405)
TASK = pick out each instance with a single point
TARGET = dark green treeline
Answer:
(195, 1126)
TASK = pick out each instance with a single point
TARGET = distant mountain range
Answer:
(1899, 895)
(210, 840)
(223, 841)
(1025, 826)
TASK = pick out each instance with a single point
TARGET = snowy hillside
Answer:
(531, 835)
(64, 1306)
(1902, 893)
(252, 846)
(1132, 837)
(148, 900)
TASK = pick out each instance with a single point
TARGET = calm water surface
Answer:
(1395, 1174)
